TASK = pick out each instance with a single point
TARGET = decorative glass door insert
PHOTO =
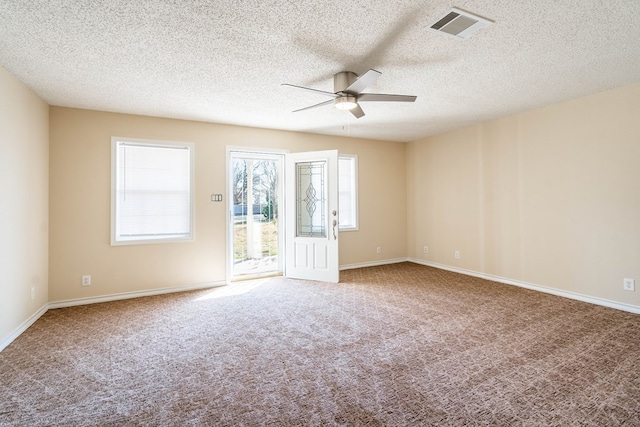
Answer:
(311, 199)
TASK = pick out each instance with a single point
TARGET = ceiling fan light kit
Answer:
(346, 102)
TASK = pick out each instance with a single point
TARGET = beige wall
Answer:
(24, 181)
(80, 202)
(549, 197)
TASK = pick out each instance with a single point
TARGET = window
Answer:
(151, 196)
(348, 192)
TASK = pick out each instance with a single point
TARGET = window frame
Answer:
(117, 240)
(355, 198)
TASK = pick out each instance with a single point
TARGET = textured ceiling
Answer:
(224, 61)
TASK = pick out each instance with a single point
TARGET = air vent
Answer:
(459, 24)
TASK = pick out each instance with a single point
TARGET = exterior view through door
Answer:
(256, 236)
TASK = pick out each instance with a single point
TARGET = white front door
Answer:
(312, 216)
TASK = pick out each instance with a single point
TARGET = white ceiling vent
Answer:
(459, 23)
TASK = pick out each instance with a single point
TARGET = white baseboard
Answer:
(566, 294)
(129, 295)
(23, 327)
(373, 263)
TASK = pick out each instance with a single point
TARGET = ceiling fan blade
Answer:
(357, 112)
(315, 105)
(320, 92)
(364, 81)
(381, 97)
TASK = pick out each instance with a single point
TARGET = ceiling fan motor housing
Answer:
(343, 80)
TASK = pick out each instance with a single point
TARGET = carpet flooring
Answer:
(395, 345)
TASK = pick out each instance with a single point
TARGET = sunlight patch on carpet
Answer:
(234, 289)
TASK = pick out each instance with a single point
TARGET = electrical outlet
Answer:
(426, 249)
(629, 284)
(456, 254)
(86, 280)
(378, 249)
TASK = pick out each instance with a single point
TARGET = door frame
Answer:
(229, 204)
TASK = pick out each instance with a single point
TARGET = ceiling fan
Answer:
(348, 87)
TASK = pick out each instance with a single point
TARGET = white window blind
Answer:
(152, 191)
(348, 192)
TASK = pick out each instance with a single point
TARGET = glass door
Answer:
(255, 228)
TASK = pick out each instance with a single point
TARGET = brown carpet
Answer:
(402, 344)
